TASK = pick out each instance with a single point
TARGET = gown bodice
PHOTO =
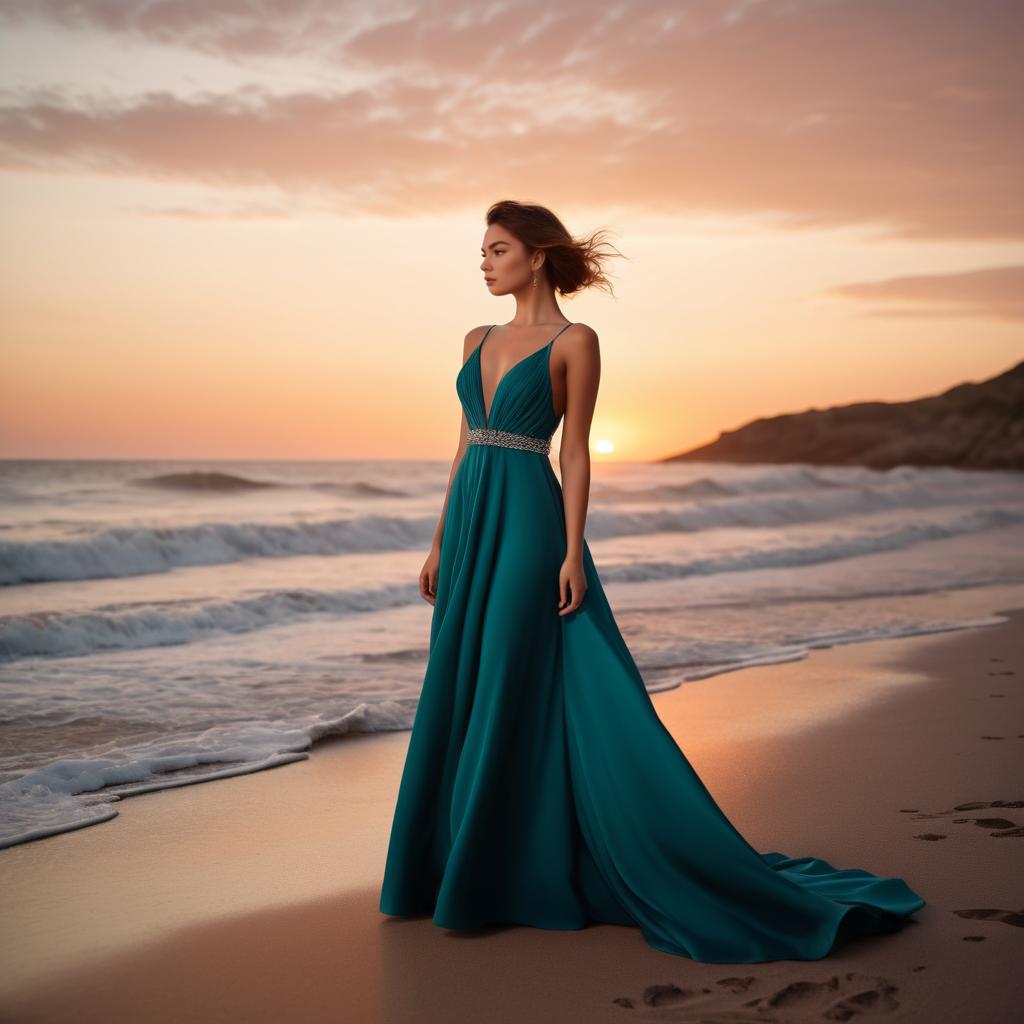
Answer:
(523, 402)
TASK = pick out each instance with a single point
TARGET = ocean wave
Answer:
(53, 798)
(198, 480)
(168, 623)
(147, 624)
(834, 548)
(133, 551)
(775, 481)
(361, 489)
(129, 551)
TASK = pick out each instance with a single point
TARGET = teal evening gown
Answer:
(540, 787)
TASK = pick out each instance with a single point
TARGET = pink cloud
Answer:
(900, 118)
(993, 292)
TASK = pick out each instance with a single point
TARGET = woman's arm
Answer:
(582, 377)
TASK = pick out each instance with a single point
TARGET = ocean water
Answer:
(166, 623)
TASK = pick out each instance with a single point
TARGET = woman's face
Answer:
(505, 263)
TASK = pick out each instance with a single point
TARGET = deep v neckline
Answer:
(501, 379)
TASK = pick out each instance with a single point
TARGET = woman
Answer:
(540, 787)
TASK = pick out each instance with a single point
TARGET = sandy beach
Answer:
(255, 898)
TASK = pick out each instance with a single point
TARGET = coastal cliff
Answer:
(970, 426)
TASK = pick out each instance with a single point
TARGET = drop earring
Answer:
(535, 279)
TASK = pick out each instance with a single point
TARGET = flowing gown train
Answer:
(540, 786)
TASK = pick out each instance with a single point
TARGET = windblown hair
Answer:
(570, 264)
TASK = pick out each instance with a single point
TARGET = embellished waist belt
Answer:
(504, 439)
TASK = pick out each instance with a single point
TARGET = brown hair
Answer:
(570, 264)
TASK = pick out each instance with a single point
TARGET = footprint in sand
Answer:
(986, 822)
(978, 804)
(844, 997)
(1003, 826)
(1013, 917)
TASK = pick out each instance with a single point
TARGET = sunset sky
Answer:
(252, 230)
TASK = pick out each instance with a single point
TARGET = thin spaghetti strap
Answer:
(484, 338)
(552, 341)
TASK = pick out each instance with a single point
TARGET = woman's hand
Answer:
(572, 577)
(428, 575)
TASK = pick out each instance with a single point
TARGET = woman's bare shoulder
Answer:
(581, 338)
(582, 331)
(472, 339)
